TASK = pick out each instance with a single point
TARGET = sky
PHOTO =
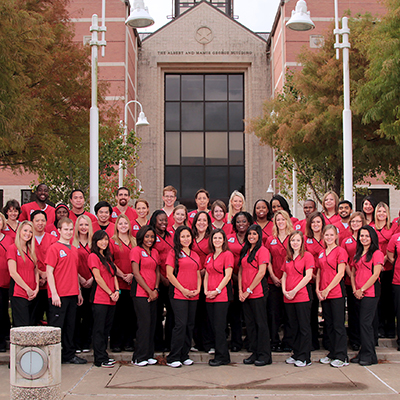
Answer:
(257, 15)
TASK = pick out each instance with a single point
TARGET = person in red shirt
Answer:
(11, 211)
(218, 213)
(104, 296)
(237, 203)
(179, 216)
(123, 197)
(63, 289)
(367, 266)
(368, 206)
(103, 212)
(330, 205)
(5, 243)
(42, 196)
(61, 211)
(202, 199)
(279, 203)
(309, 207)
(218, 291)
(169, 199)
(77, 200)
(144, 292)
(83, 233)
(345, 210)
(183, 272)
(123, 330)
(297, 273)
(330, 290)
(277, 245)
(24, 286)
(142, 208)
(253, 291)
(43, 241)
(262, 216)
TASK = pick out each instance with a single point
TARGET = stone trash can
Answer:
(35, 363)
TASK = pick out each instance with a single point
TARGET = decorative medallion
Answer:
(204, 35)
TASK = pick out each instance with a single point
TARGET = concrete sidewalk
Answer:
(235, 381)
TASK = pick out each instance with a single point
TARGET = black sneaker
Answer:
(75, 360)
(107, 364)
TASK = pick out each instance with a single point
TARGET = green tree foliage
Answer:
(304, 122)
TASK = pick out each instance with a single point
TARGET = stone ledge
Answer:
(35, 335)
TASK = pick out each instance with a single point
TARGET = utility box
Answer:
(35, 363)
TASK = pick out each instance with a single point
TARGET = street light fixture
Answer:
(347, 128)
(270, 187)
(142, 121)
(300, 19)
(139, 16)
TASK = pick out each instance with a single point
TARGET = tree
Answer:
(304, 122)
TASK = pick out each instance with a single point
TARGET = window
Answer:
(378, 194)
(204, 141)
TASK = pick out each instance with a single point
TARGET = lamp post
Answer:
(301, 21)
(142, 121)
(270, 187)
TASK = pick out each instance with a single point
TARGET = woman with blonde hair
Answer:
(277, 245)
(237, 203)
(83, 233)
(330, 205)
(24, 285)
(123, 329)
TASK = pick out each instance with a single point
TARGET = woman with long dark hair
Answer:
(262, 216)
(218, 292)
(279, 203)
(297, 273)
(368, 206)
(183, 272)
(367, 267)
(253, 292)
(104, 296)
(144, 292)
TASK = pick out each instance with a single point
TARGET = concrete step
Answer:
(386, 352)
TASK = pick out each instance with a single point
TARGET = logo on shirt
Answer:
(144, 254)
(398, 239)
(135, 228)
(209, 259)
(30, 212)
(297, 227)
(158, 239)
(309, 241)
(183, 255)
(63, 254)
(349, 241)
(18, 253)
(6, 229)
(274, 241)
(54, 233)
(231, 240)
(321, 255)
(114, 215)
(191, 215)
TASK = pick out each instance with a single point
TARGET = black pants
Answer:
(124, 325)
(41, 306)
(386, 305)
(203, 335)
(255, 316)
(146, 313)
(314, 319)
(64, 317)
(22, 311)
(334, 315)
(181, 341)
(367, 309)
(217, 313)
(277, 316)
(299, 317)
(162, 338)
(84, 322)
(353, 330)
(4, 318)
(235, 319)
(396, 296)
(103, 316)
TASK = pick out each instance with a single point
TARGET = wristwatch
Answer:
(218, 291)
(248, 290)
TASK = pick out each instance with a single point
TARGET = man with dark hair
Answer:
(41, 195)
(345, 210)
(123, 197)
(77, 200)
(309, 207)
(103, 212)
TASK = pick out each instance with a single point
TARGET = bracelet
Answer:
(218, 291)
(248, 290)
(158, 290)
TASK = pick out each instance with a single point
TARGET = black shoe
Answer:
(75, 360)
(129, 348)
(381, 335)
(249, 360)
(355, 360)
(365, 363)
(3, 349)
(116, 349)
(235, 349)
(355, 347)
(260, 363)
(276, 348)
(216, 363)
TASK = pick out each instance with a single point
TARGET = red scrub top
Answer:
(364, 270)
(122, 260)
(28, 208)
(130, 213)
(5, 244)
(278, 255)
(98, 295)
(394, 247)
(235, 247)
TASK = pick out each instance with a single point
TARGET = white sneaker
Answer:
(175, 364)
(211, 351)
(299, 363)
(188, 362)
(325, 360)
(111, 360)
(290, 360)
(78, 351)
(141, 363)
(339, 363)
(152, 361)
(86, 351)
(194, 348)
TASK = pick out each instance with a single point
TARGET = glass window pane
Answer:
(172, 148)
(172, 177)
(217, 181)
(172, 87)
(216, 117)
(172, 120)
(236, 181)
(236, 153)
(192, 148)
(216, 148)
(216, 87)
(236, 117)
(192, 87)
(235, 87)
(192, 116)
(192, 181)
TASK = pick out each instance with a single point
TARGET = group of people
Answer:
(176, 281)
